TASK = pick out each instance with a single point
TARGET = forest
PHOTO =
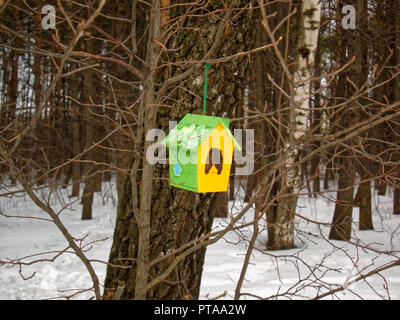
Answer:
(311, 89)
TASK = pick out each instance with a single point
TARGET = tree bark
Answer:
(315, 124)
(37, 85)
(365, 206)
(13, 93)
(87, 200)
(232, 186)
(221, 207)
(76, 136)
(342, 217)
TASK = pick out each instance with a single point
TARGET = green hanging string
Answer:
(205, 88)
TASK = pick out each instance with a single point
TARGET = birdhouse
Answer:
(200, 153)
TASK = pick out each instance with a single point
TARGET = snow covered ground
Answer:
(315, 266)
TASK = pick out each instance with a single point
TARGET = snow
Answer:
(315, 266)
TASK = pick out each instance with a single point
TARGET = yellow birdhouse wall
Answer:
(212, 181)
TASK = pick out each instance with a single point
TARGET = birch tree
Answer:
(281, 217)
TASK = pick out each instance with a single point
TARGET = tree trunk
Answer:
(221, 207)
(13, 94)
(250, 185)
(5, 85)
(232, 184)
(327, 178)
(124, 94)
(179, 216)
(37, 85)
(360, 77)
(315, 124)
(365, 206)
(93, 174)
(396, 201)
(76, 136)
(382, 187)
(87, 200)
(342, 217)
(283, 215)
(257, 103)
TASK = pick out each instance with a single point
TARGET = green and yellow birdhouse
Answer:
(200, 153)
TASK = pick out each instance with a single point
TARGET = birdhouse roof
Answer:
(193, 129)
